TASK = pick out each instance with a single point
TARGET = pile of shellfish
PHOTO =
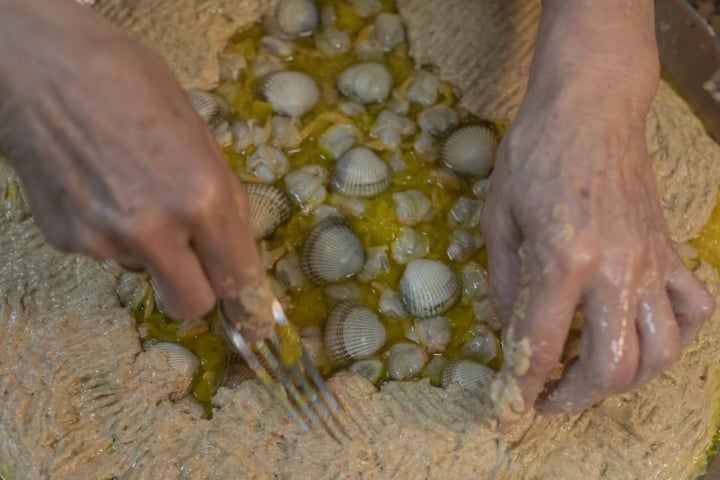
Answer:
(365, 184)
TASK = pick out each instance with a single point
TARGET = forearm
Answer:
(603, 51)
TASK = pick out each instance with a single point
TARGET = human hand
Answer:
(573, 222)
(114, 159)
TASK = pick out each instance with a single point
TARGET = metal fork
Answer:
(299, 387)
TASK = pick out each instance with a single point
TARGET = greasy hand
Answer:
(114, 159)
(573, 221)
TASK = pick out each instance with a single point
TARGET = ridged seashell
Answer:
(466, 373)
(296, 17)
(132, 290)
(371, 369)
(428, 288)
(289, 92)
(471, 150)
(211, 108)
(405, 360)
(269, 208)
(366, 82)
(332, 252)
(360, 173)
(352, 332)
(236, 373)
(182, 361)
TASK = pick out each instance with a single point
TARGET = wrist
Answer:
(595, 55)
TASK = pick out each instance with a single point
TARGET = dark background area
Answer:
(710, 10)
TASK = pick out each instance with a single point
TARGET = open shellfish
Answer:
(428, 288)
(289, 92)
(366, 82)
(352, 332)
(360, 173)
(471, 150)
(406, 360)
(332, 252)
(295, 18)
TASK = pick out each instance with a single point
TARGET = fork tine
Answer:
(253, 362)
(286, 382)
(328, 406)
(290, 388)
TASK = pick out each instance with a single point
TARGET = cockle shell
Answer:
(467, 374)
(132, 290)
(471, 150)
(237, 372)
(270, 207)
(360, 173)
(332, 252)
(182, 361)
(352, 332)
(366, 82)
(428, 288)
(289, 92)
(296, 17)
(211, 108)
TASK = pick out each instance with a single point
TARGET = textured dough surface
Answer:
(80, 399)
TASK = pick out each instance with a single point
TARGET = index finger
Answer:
(228, 253)
(536, 336)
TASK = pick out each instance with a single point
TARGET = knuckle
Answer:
(208, 196)
(574, 257)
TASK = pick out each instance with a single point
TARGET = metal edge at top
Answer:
(690, 57)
